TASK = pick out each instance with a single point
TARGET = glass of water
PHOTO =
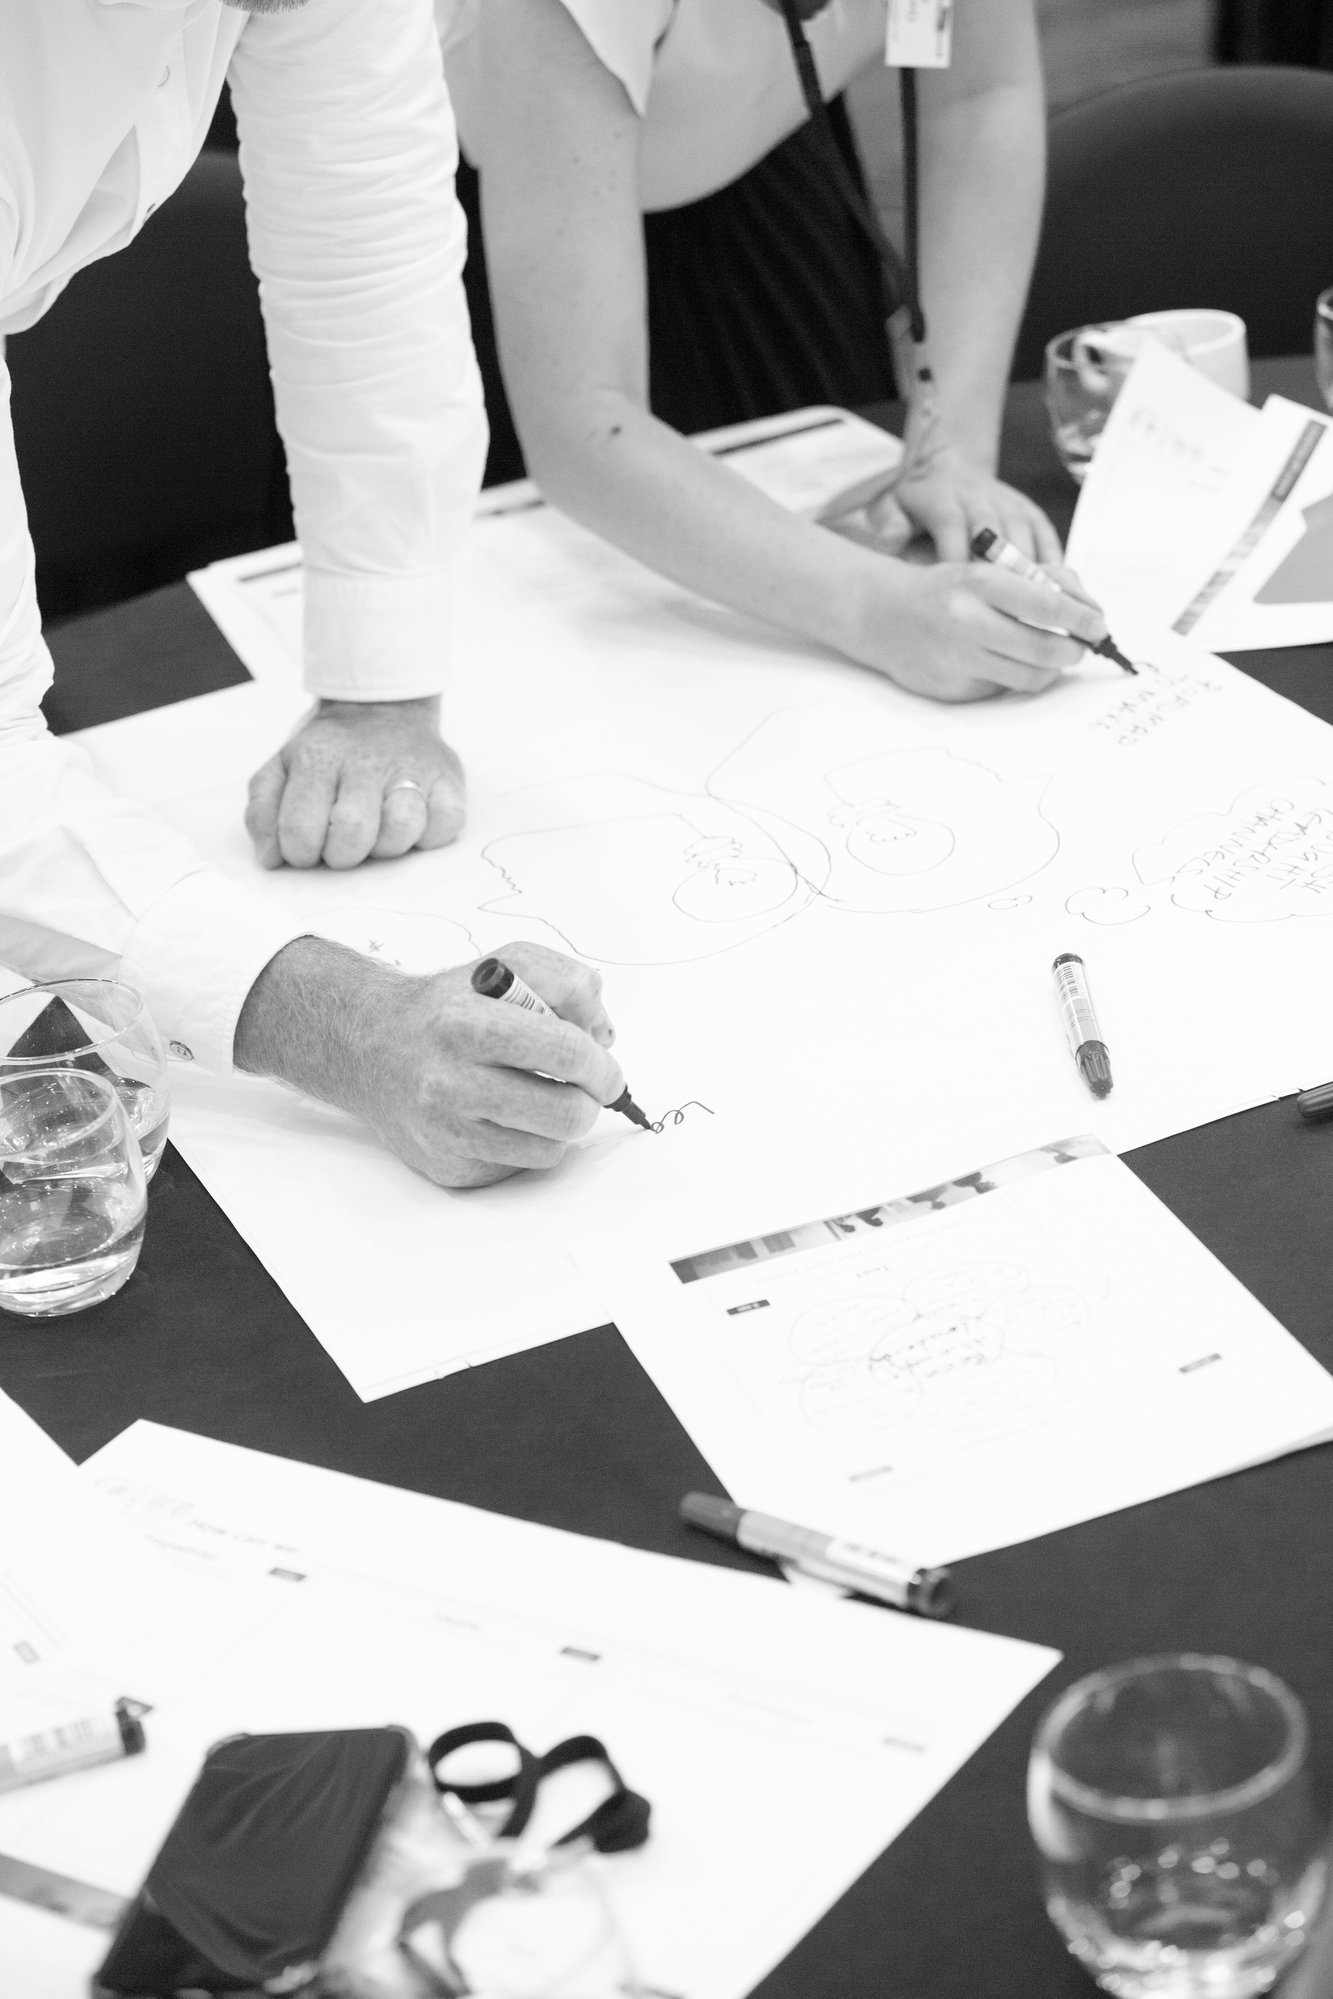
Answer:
(1084, 373)
(1323, 344)
(103, 1028)
(72, 1192)
(1169, 1800)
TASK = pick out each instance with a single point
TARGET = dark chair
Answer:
(143, 413)
(1204, 188)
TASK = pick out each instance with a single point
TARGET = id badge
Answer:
(920, 34)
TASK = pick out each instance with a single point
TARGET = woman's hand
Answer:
(949, 497)
(961, 631)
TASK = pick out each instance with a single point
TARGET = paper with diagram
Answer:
(826, 912)
(370, 1605)
(1021, 1347)
(1208, 515)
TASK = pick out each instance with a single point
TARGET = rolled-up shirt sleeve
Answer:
(92, 886)
(348, 152)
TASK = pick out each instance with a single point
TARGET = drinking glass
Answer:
(72, 1192)
(1169, 1801)
(1085, 372)
(102, 1027)
(1323, 344)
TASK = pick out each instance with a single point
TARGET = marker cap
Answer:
(714, 1515)
(1317, 1104)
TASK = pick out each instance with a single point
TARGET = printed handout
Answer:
(368, 1605)
(1020, 1347)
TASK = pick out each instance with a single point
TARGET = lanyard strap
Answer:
(617, 1825)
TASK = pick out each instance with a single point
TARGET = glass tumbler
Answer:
(1170, 1804)
(1084, 373)
(102, 1027)
(72, 1192)
(1323, 345)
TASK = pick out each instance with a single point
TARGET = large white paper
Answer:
(826, 911)
(833, 1721)
(1008, 1353)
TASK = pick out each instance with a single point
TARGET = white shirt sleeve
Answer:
(623, 35)
(348, 151)
(91, 886)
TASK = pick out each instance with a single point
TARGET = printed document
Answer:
(1018, 1348)
(372, 1605)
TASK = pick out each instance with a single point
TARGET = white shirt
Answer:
(712, 80)
(348, 153)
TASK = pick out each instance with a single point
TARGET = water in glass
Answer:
(72, 1192)
(100, 1025)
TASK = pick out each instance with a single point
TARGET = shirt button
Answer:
(180, 1051)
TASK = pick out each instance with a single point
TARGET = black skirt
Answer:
(762, 297)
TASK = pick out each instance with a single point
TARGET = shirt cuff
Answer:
(376, 638)
(193, 958)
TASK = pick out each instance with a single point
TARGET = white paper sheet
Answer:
(835, 1722)
(826, 911)
(969, 1369)
(1208, 516)
(1272, 582)
(83, 1612)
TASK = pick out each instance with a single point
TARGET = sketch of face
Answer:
(673, 878)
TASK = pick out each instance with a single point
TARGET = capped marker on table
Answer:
(904, 1585)
(493, 979)
(988, 546)
(1086, 1043)
(1316, 1105)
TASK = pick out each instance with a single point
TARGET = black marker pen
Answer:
(988, 546)
(1085, 1036)
(494, 980)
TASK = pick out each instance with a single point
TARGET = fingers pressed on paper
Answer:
(446, 811)
(402, 822)
(546, 1047)
(261, 812)
(353, 822)
(303, 816)
(499, 1145)
(520, 1101)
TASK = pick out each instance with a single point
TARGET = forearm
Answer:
(982, 174)
(611, 465)
(314, 1017)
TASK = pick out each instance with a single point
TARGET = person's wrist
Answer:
(426, 707)
(314, 1017)
(873, 587)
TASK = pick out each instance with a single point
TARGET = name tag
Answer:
(920, 34)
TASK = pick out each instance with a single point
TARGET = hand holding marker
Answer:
(988, 546)
(494, 980)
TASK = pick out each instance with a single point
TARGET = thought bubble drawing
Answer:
(1269, 855)
(906, 830)
(844, 1328)
(630, 873)
(1106, 906)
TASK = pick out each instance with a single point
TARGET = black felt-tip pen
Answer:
(907, 1586)
(493, 979)
(988, 546)
(1085, 1036)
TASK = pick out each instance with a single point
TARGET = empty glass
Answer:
(1085, 372)
(72, 1192)
(1323, 344)
(103, 1028)
(1170, 1804)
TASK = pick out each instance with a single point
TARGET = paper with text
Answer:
(1002, 1355)
(373, 1605)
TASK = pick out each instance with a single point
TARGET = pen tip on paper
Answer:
(627, 1107)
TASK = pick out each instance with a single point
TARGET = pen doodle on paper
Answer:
(1266, 856)
(1106, 907)
(906, 830)
(631, 873)
(1156, 697)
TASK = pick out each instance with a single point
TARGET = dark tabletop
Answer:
(574, 1434)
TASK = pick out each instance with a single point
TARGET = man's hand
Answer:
(358, 780)
(467, 1090)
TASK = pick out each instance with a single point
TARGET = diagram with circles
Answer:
(883, 1366)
